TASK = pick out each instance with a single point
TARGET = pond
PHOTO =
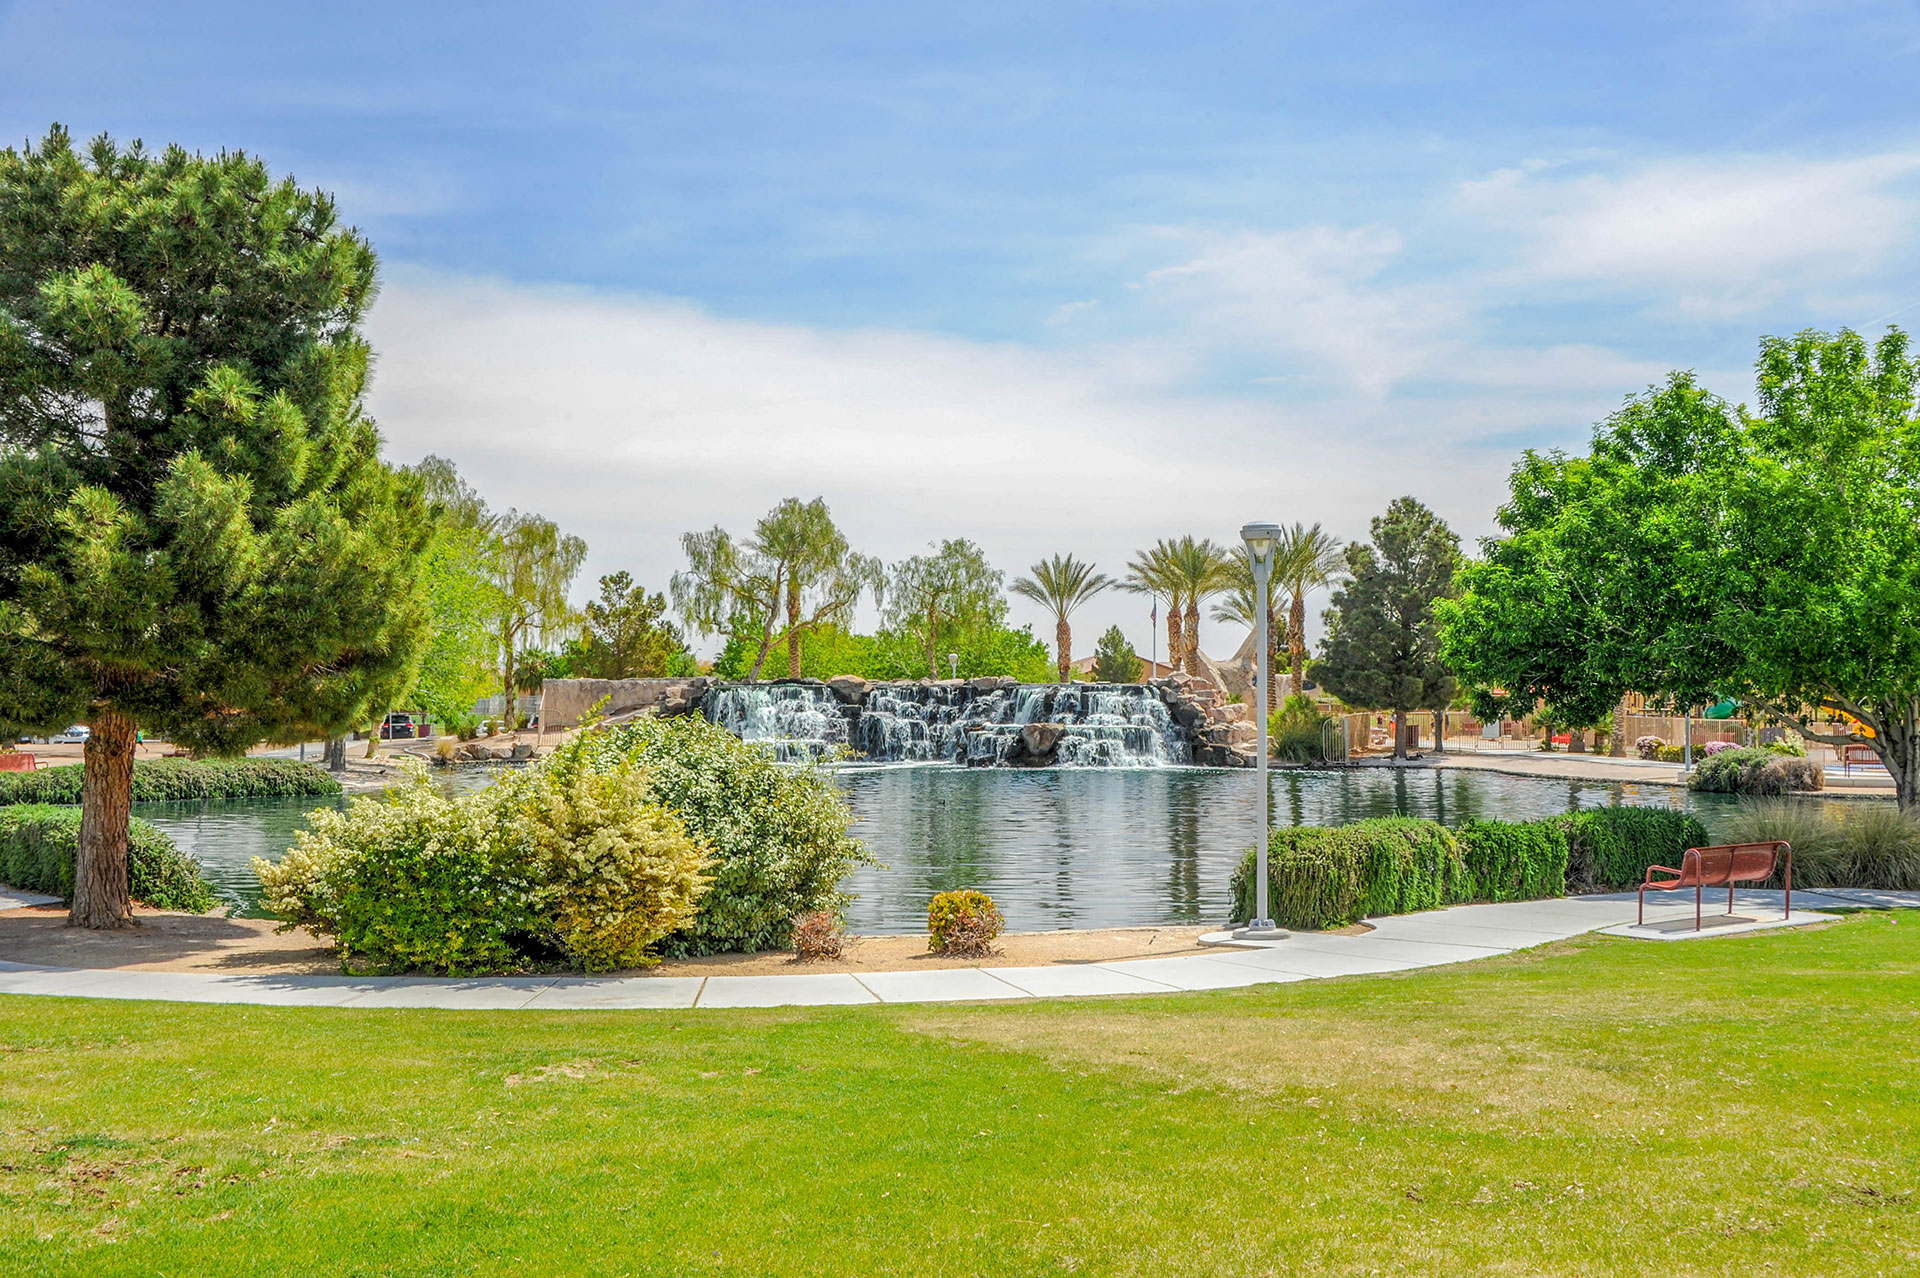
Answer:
(1056, 848)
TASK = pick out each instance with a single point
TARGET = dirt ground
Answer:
(165, 942)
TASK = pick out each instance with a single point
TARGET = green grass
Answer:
(1557, 1111)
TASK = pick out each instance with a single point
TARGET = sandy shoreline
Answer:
(167, 942)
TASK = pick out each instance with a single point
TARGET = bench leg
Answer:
(1729, 896)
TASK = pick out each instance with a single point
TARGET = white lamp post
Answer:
(953, 665)
(1260, 539)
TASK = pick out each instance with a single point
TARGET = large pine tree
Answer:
(197, 534)
(1382, 650)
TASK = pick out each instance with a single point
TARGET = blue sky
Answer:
(1066, 276)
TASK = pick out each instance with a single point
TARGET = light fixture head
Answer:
(1260, 539)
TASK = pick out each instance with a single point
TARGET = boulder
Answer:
(1042, 738)
(522, 750)
(851, 690)
(1190, 716)
(1234, 712)
(993, 683)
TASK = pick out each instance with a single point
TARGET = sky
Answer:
(1055, 277)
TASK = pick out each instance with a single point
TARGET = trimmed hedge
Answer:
(39, 842)
(1329, 876)
(1517, 861)
(1609, 849)
(174, 780)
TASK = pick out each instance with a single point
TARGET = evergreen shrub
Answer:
(38, 844)
(1516, 860)
(780, 834)
(1756, 772)
(1609, 849)
(963, 923)
(177, 780)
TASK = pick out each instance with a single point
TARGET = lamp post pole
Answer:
(1260, 539)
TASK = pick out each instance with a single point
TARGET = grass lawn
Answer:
(1736, 1106)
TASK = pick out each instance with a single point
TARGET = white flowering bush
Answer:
(779, 832)
(556, 863)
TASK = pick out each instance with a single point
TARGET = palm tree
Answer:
(1203, 570)
(1238, 609)
(1062, 584)
(1305, 560)
(1153, 572)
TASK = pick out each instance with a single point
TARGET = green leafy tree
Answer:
(1381, 649)
(1307, 559)
(531, 566)
(1701, 551)
(197, 534)
(946, 600)
(627, 634)
(1061, 585)
(456, 664)
(1114, 660)
(797, 565)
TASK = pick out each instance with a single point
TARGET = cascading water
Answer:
(799, 721)
(1100, 725)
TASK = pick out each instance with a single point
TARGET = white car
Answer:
(76, 735)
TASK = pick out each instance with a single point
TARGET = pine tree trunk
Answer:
(1176, 650)
(1439, 731)
(1193, 638)
(1297, 643)
(100, 893)
(336, 754)
(1399, 734)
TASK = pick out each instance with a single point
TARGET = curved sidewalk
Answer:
(1397, 943)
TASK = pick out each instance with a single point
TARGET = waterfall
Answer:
(1101, 725)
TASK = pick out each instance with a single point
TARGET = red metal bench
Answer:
(1863, 755)
(15, 761)
(1722, 866)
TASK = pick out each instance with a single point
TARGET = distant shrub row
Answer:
(164, 780)
(1755, 771)
(1329, 876)
(38, 844)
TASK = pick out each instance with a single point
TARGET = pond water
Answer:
(1055, 848)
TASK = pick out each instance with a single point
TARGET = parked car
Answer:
(401, 727)
(75, 735)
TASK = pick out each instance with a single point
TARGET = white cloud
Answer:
(631, 421)
(1720, 237)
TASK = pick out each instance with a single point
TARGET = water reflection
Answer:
(1055, 847)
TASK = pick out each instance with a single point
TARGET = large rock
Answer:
(1233, 712)
(1190, 716)
(851, 690)
(522, 751)
(993, 683)
(564, 702)
(1042, 738)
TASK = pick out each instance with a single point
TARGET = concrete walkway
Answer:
(1396, 944)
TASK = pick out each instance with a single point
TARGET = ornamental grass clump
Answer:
(963, 924)
(39, 843)
(818, 936)
(1864, 845)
